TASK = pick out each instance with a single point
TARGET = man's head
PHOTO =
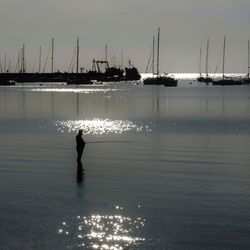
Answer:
(80, 132)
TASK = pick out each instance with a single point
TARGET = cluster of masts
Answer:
(21, 64)
(224, 80)
(158, 79)
(152, 56)
(206, 75)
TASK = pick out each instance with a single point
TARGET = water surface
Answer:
(165, 168)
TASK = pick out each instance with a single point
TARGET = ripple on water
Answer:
(114, 232)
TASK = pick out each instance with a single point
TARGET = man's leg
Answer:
(79, 155)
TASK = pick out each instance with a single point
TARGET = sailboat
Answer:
(205, 78)
(246, 79)
(226, 80)
(167, 81)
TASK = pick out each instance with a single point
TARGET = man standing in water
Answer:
(80, 144)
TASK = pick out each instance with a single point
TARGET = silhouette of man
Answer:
(79, 173)
(80, 144)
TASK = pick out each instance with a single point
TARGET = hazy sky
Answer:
(127, 25)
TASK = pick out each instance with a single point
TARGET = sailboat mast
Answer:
(4, 69)
(153, 58)
(17, 64)
(207, 57)
(40, 58)
(200, 60)
(23, 59)
(20, 60)
(248, 58)
(223, 64)
(52, 56)
(158, 50)
(106, 55)
(106, 52)
(1, 70)
(122, 60)
(9, 68)
(77, 55)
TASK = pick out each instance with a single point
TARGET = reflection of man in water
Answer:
(80, 144)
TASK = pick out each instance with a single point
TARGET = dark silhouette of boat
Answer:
(78, 81)
(167, 81)
(132, 74)
(110, 74)
(246, 79)
(228, 81)
(101, 72)
(7, 83)
(204, 79)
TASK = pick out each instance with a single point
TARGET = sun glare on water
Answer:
(74, 90)
(99, 126)
(113, 232)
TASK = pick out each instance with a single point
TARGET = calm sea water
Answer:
(165, 168)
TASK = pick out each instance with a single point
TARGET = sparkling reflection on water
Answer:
(100, 126)
(114, 232)
(74, 90)
(62, 88)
